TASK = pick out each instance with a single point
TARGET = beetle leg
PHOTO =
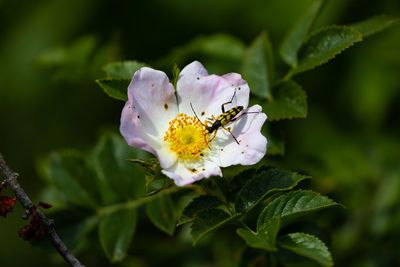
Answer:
(223, 105)
(229, 131)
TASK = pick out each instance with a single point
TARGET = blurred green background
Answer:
(52, 51)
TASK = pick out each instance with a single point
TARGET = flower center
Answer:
(186, 136)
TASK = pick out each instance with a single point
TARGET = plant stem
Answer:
(47, 224)
(245, 226)
(134, 203)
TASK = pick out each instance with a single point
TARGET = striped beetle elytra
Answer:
(222, 120)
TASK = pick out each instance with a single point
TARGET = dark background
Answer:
(52, 51)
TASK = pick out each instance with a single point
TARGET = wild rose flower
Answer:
(161, 122)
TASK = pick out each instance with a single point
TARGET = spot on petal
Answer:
(193, 170)
(242, 152)
(203, 169)
(138, 116)
(202, 113)
(166, 106)
(239, 88)
(152, 85)
(198, 78)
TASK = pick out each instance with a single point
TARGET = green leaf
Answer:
(175, 74)
(294, 204)
(308, 246)
(161, 212)
(207, 221)
(71, 174)
(123, 69)
(289, 101)
(295, 37)
(116, 231)
(374, 25)
(323, 45)
(238, 181)
(123, 178)
(198, 204)
(221, 46)
(78, 51)
(115, 87)
(264, 184)
(258, 67)
(264, 239)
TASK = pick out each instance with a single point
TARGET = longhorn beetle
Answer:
(223, 119)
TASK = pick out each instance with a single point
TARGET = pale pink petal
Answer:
(184, 173)
(153, 97)
(207, 92)
(145, 117)
(132, 130)
(252, 147)
(152, 104)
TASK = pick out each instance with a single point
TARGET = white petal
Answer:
(145, 117)
(132, 130)
(207, 93)
(154, 99)
(252, 144)
(184, 173)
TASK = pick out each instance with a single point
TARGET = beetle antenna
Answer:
(197, 116)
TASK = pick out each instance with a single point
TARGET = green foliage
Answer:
(349, 143)
(119, 75)
(116, 231)
(289, 101)
(294, 204)
(217, 49)
(110, 160)
(115, 182)
(175, 74)
(263, 184)
(308, 246)
(96, 181)
(161, 212)
(72, 176)
(295, 37)
(323, 45)
(374, 25)
(78, 61)
(198, 204)
(115, 88)
(209, 220)
(257, 68)
(123, 69)
(265, 238)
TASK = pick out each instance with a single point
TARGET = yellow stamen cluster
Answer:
(186, 136)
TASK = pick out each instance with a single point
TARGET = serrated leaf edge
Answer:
(99, 82)
(306, 256)
(271, 192)
(293, 70)
(306, 210)
(294, 116)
